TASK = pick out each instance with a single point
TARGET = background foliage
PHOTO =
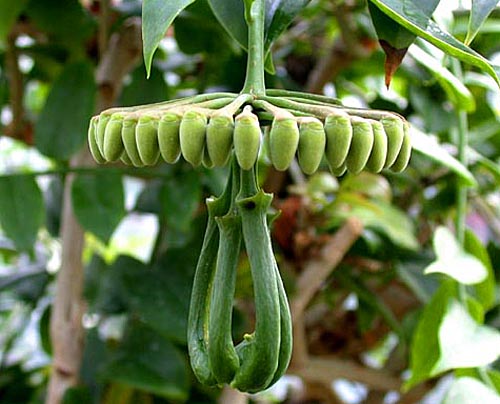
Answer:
(408, 295)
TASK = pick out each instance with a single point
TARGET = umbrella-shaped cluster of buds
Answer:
(213, 130)
(206, 129)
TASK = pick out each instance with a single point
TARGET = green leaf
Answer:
(61, 128)
(231, 15)
(142, 91)
(160, 296)
(157, 15)
(410, 16)
(197, 30)
(424, 351)
(447, 337)
(380, 216)
(77, 395)
(467, 390)
(486, 290)
(428, 146)
(463, 342)
(69, 23)
(279, 14)
(147, 361)
(479, 12)
(180, 198)
(98, 203)
(21, 210)
(8, 16)
(453, 261)
(457, 93)
(393, 37)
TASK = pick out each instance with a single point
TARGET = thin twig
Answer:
(318, 269)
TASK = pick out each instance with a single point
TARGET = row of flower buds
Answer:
(348, 142)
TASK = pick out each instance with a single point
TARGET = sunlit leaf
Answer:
(453, 261)
(447, 337)
(428, 146)
(457, 93)
(463, 342)
(479, 12)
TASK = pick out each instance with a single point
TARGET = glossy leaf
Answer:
(21, 210)
(479, 12)
(157, 15)
(486, 290)
(410, 16)
(453, 261)
(147, 361)
(467, 390)
(393, 37)
(98, 203)
(428, 146)
(61, 128)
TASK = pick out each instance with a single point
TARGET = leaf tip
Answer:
(393, 59)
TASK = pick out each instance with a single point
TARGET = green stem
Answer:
(255, 16)
(462, 192)
(300, 96)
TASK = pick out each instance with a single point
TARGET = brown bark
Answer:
(67, 333)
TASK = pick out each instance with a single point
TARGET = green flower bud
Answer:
(394, 128)
(247, 136)
(146, 136)
(126, 159)
(338, 131)
(220, 139)
(378, 155)
(113, 144)
(283, 142)
(338, 171)
(192, 136)
(404, 155)
(361, 145)
(101, 128)
(168, 137)
(94, 148)
(129, 142)
(312, 141)
(207, 161)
